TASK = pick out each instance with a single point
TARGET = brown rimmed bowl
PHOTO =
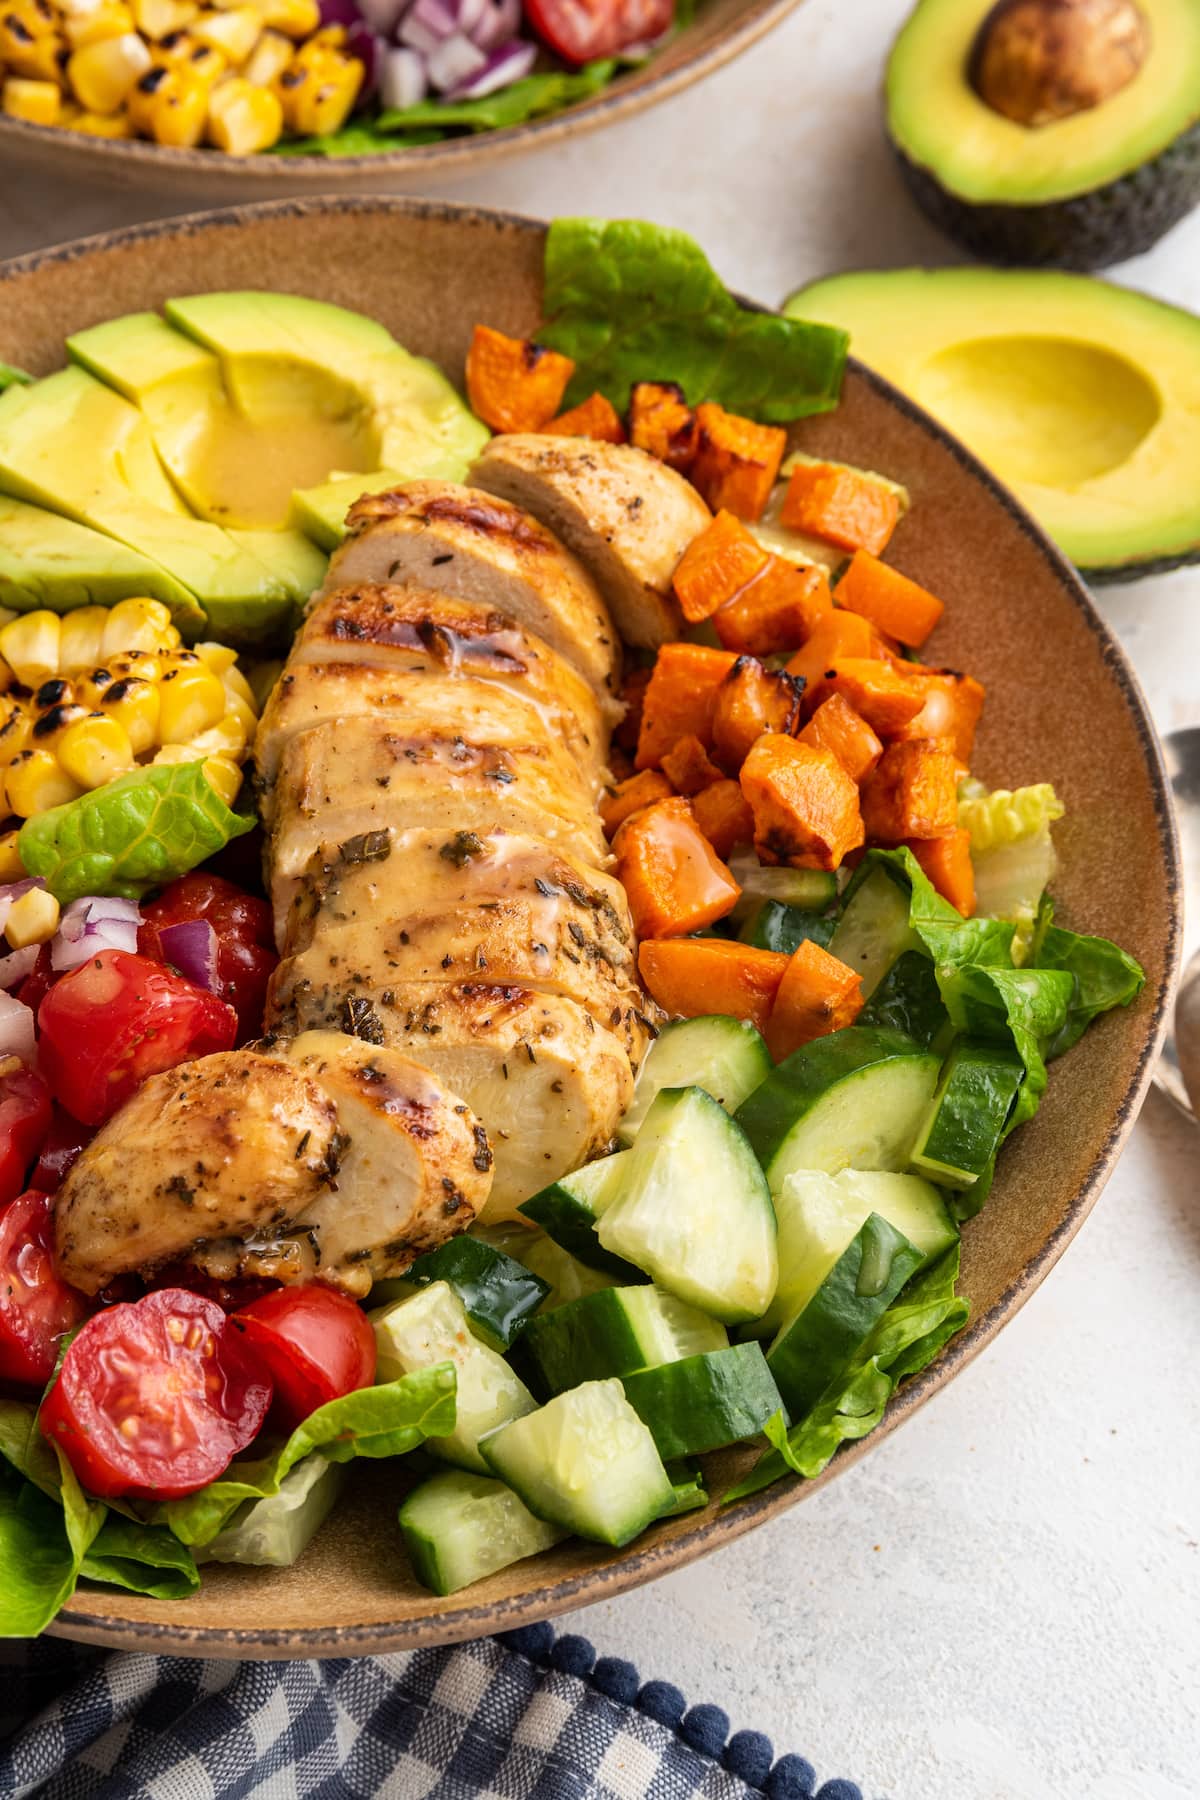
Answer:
(1063, 705)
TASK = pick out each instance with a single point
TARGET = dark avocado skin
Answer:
(1108, 574)
(1089, 231)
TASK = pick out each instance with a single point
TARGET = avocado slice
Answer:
(1102, 180)
(1083, 396)
(320, 512)
(49, 561)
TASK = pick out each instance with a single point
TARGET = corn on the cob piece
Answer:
(94, 750)
(38, 102)
(221, 772)
(157, 19)
(138, 624)
(30, 645)
(318, 94)
(102, 75)
(14, 731)
(80, 637)
(244, 119)
(30, 41)
(102, 125)
(11, 866)
(33, 919)
(170, 104)
(296, 19)
(272, 54)
(191, 699)
(217, 657)
(234, 34)
(33, 783)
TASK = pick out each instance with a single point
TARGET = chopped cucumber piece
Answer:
(705, 1402)
(815, 1347)
(458, 1528)
(873, 929)
(569, 1279)
(687, 1479)
(726, 1057)
(616, 1332)
(498, 1293)
(568, 1209)
(908, 999)
(584, 1461)
(819, 1216)
(810, 889)
(967, 1115)
(695, 1213)
(272, 1532)
(777, 926)
(852, 1100)
(431, 1327)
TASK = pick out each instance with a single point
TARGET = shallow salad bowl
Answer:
(1063, 705)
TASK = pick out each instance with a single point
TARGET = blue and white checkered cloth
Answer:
(524, 1717)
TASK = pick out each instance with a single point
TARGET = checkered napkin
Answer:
(522, 1717)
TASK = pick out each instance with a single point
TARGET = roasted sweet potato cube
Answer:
(836, 634)
(882, 693)
(723, 815)
(716, 566)
(693, 976)
(953, 704)
(596, 417)
(662, 422)
(898, 606)
(913, 793)
(851, 508)
(674, 880)
(689, 768)
(777, 610)
(629, 797)
(835, 726)
(749, 701)
(679, 699)
(737, 460)
(514, 384)
(947, 862)
(805, 806)
(633, 694)
(817, 995)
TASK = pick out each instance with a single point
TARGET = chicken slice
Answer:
(470, 544)
(547, 1082)
(627, 517)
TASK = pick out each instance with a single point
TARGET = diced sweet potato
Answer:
(848, 507)
(805, 806)
(953, 704)
(836, 727)
(631, 796)
(913, 793)
(776, 611)
(749, 701)
(889, 599)
(596, 417)
(881, 692)
(693, 976)
(633, 694)
(679, 699)
(689, 768)
(817, 995)
(662, 422)
(723, 815)
(835, 635)
(716, 566)
(512, 383)
(674, 880)
(736, 460)
(947, 862)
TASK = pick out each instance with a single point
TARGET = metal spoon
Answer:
(1178, 1071)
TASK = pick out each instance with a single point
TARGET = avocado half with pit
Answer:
(207, 457)
(1082, 396)
(1056, 133)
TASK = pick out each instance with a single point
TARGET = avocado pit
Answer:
(1038, 61)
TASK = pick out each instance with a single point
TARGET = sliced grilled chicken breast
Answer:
(469, 544)
(547, 1082)
(627, 517)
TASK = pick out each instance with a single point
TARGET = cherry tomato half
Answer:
(315, 1342)
(37, 984)
(37, 1308)
(60, 1149)
(579, 30)
(245, 938)
(25, 1115)
(117, 1019)
(155, 1399)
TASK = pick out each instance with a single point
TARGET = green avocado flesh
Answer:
(1082, 396)
(208, 458)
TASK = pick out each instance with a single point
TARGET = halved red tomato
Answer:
(37, 1308)
(244, 931)
(25, 1116)
(580, 30)
(316, 1343)
(117, 1019)
(155, 1398)
(60, 1149)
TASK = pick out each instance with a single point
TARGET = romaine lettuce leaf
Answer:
(47, 1524)
(146, 1559)
(1104, 976)
(546, 91)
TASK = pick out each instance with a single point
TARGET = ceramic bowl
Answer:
(1062, 704)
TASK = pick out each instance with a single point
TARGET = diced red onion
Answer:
(192, 947)
(468, 14)
(97, 922)
(339, 12)
(11, 892)
(17, 1037)
(453, 63)
(427, 23)
(511, 62)
(402, 78)
(498, 21)
(17, 965)
(382, 16)
(109, 906)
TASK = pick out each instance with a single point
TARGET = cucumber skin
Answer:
(812, 1351)
(589, 1339)
(778, 926)
(968, 1113)
(499, 1294)
(425, 1552)
(752, 1050)
(775, 1108)
(572, 1225)
(704, 1402)
(908, 1000)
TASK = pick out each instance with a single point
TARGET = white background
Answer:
(1002, 1603)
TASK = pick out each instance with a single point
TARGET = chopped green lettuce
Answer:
(145, 1559)
(1012, 852)
(546, 91)
(1104, 976)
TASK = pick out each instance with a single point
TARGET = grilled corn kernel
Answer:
(244, 119)
(30, 647)
(133, 705)
(226, 738)
(33, 919)
(29, 40)
(272, 54)
(170, 105)
(329, 37)
(94, 750)
(318, 98)
(109, 19)
(247, 718)
(224, 776)
(157, 19)
(102, 125)
(234, 33)
(217, 657)
(147, 665)
(11, 866)
(294, 18)
(237, 685)
(33, 783)
(39, 102)
(55, 692)
(50, 725)
(191, 700)
(137, 625)
(103, 75)
(15, 727)
(80, 638)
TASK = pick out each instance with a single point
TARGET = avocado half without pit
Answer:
(1082, 396)
(1060, 133)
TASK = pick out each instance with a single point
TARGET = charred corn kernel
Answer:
(103, 75)
(33, 783)
(137, 625)
(49, 726)
(38, 102)
(318, 98)
(80, 637)
(147, 665)
(108, 19)
(30, 647)
(191, 700)
(102, 125)
(294, 18)
(133, 705)
(55, 692)
(243, 119)
(234, 34)
(33, 919)
(15, 727)
(217, 657)
(94, 750)
(30, 41)
(272, 54)
(170, 105)
(329, 37)
(11, 866)
(226, 738)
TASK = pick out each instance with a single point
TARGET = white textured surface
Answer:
(1003, 1602)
